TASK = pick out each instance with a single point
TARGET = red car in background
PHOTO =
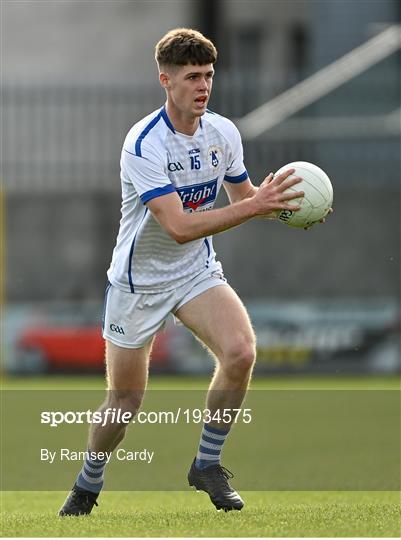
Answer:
(72, 347)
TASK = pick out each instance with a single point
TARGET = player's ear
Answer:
(164, 79)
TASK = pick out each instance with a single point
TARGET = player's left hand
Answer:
(321, 221)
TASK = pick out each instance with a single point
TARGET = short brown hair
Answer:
(183, 46)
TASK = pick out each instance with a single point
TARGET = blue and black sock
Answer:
(91, 475)
(210, 446)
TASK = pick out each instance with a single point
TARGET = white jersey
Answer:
(157, 160)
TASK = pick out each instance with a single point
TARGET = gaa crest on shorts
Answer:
(215, 155)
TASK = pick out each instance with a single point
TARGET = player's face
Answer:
(188, 89)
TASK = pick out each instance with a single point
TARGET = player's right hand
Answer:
(272, 197)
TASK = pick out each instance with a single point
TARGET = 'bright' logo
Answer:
(198, 195)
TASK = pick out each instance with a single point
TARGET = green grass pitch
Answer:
(177, 513)
(190, 514)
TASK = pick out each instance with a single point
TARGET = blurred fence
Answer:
(69, 138)
(60, 168)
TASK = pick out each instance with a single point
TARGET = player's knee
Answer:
(240, 358)
(125, 401)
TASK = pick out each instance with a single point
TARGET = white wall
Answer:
(91, 41)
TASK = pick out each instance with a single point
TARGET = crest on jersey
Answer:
(215, 153)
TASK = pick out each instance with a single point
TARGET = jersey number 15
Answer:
(195, 163)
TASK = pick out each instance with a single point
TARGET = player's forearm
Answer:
(238, 193)
(272, 195)
(250, 193)
(200, 224)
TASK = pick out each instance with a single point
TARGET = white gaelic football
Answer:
(318, 195)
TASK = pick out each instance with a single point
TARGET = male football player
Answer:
(173, 165)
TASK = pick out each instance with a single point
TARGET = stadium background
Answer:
(76, 76)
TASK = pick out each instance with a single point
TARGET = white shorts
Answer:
(131, 319)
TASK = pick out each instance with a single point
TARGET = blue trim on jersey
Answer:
(208, 252)
(105, 303)
(139, 140)
(209, 111)
(131, 253)
(236, 179)
(156, 192)
(165, 117)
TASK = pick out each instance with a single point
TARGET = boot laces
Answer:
(225, 472)
(79, 497)
(221, 477)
